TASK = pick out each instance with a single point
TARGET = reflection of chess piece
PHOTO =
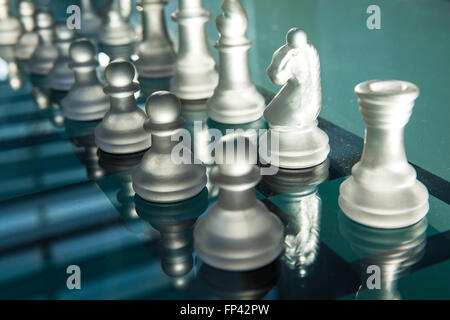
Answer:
(29, 40)
(235, 100)
(383, 191)
(393, 251)
(116, 31)
(10, 28)
(90, 21)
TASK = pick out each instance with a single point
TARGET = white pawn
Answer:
(90, 21)
(292, 113)
(86, 100)
(156, 54)
(10, 28)
(383, 191)
(122, 129)
(195, 76)
(61, 77)
(29, 40)
(161, 177)
(116, 31)
(235, 100)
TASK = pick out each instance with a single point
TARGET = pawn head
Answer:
(235, 155)
(27, 8)
(44, 19)
(120, 73)
(82, 51)
(163, 107)
(296, 37)
(62, 32)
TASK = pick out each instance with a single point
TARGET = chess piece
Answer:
(160, 177)
(29, 40)
(10, 28)
(122, 128)
(238, 233)
(90, 21)
(156, 54)
(195, 76)
(235, 99)
(86, 100)
(43, 59)
(61, 77)
(116, 31)
(383, 191)
(292, 113)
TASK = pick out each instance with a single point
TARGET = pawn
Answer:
(195, 77)
(238, 233)
(122, 129)
(10, 28)
(161, 176)
(61, 77)
(29, 40)
(235, 100)
(90, 21)
(46, 53)
(86, 100)
(156, 54)
(116, 31)
(383, 191)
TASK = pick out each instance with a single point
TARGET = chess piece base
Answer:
(10, 30)
(61, 77)
(85, 104)
(117, 36)
(156, 60)
(191, 85)
(26, 46)
(43, 60)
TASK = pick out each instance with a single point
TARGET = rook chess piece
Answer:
(116, 31)
(90, 21)
(122, 128)
(238, 233)
(195, 77)
(292, 113)
(29, 40)
(383, 191)
(159, 178)
(10, 28)
(156, 54)
(235, 100)
(86, 100)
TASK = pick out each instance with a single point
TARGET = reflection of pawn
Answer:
(90, 21)
(10, 28)
(156, 54)
(383, 191)
(46, 53)
(195, 77)
(122, 128)
(235, 100)
(61, 77)
(292, 113)
(161, 177)
(86, 100)
(29, 40)
(238, 232)
(116, 31)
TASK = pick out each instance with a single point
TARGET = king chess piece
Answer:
(29, 40)
(116, 31)
(195, 77)
(122, 129)
(238, 233)
(292, 113)
(235, 99)
(156, 53)
(86, 100)
(91, 23)
(161, 177)
(383, 191)
(10, 28)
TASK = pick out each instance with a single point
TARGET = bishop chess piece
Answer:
(156, 54)
(235, 100)
(162, 176)
(86, 100)
(43, 59)
(195, 77)
(383, 191)
(116, 31)
(61, 77)
(10, 28)
(29, 39)
(238, 233)
(91, 23)
(292, 113)
(122, 129)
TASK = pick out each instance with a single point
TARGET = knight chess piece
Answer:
(91, 23)
(238, 233)
(122, 128)
(116, 31)
(29, 39)
(156, 53)
(86, 100)
(292, 113)
(61, 77)
(235, 99)
(383, 191)
(195, 77)
(160, 177)
(10, 28)
(43, 59)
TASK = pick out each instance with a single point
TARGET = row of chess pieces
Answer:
(382, 191)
